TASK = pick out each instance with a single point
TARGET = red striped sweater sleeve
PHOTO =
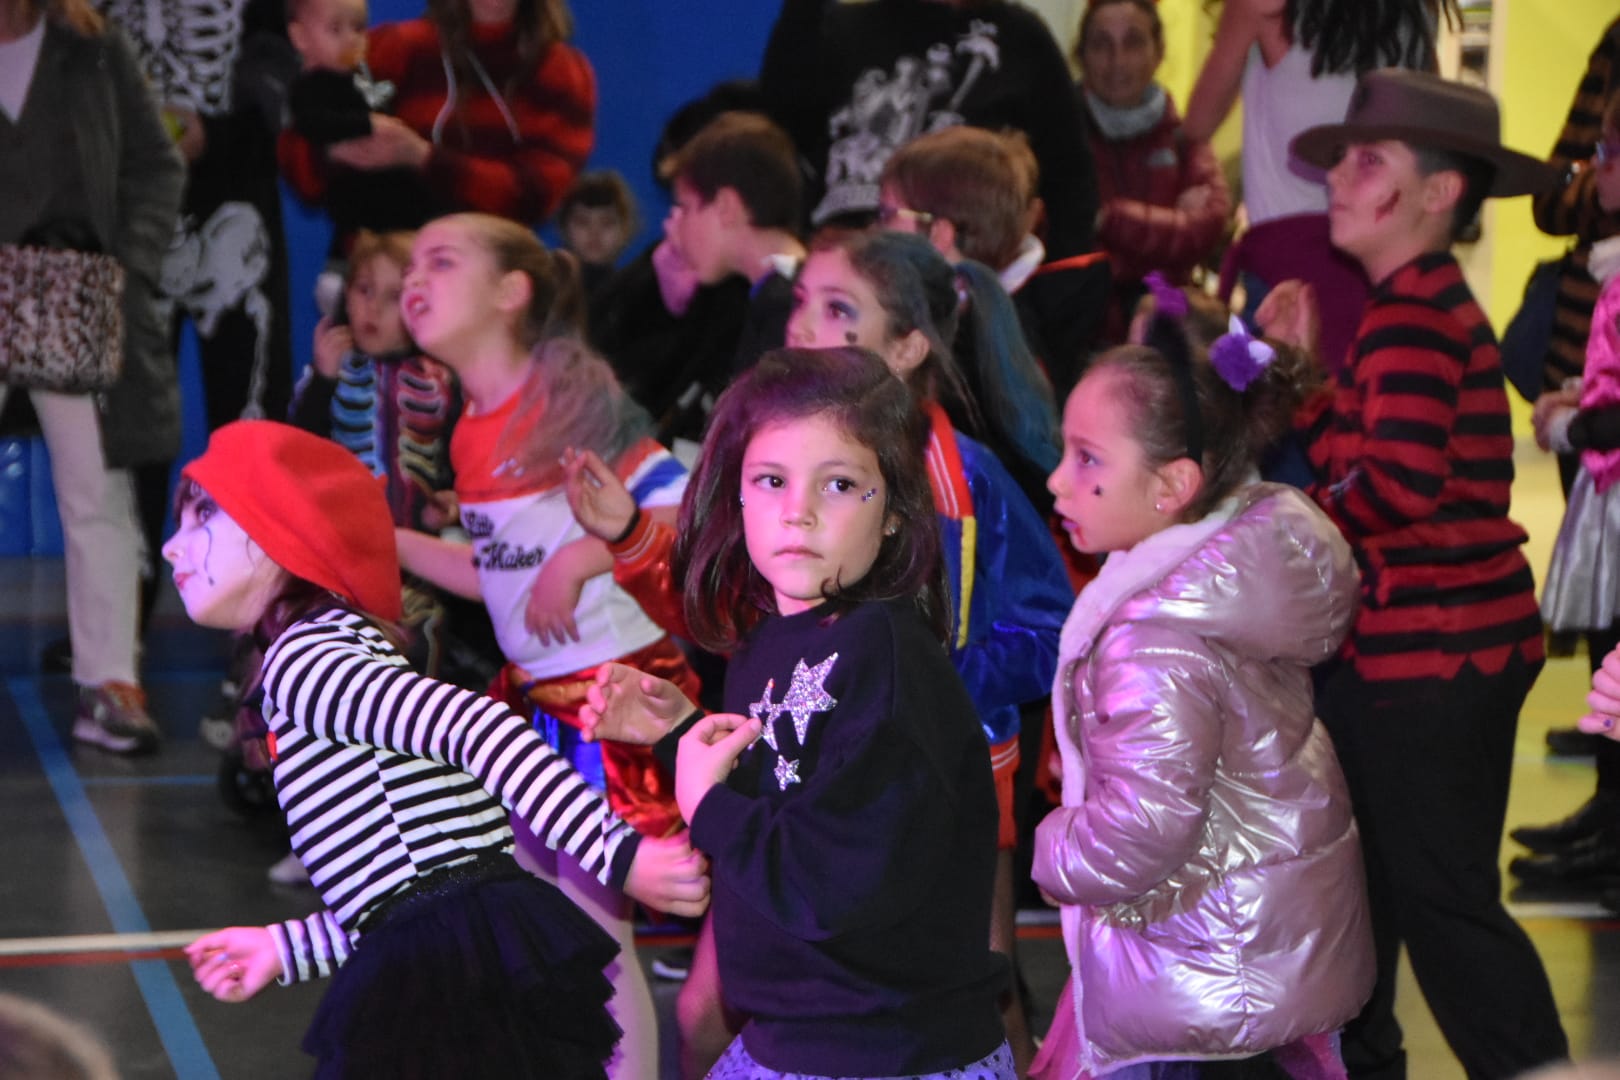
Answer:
(1409, 369)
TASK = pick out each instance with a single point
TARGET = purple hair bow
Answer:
(1167, 299)
(1239, 358)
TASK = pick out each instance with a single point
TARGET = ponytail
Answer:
(1013, 393)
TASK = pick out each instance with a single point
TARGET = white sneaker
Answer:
(288, 871)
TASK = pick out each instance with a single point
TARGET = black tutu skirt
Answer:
(481, 970)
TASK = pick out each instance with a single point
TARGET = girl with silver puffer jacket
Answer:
(1205, 857)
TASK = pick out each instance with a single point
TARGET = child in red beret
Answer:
(448, 959)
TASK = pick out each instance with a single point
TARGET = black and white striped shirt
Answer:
(385, 775)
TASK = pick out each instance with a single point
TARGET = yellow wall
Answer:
(1539, 50)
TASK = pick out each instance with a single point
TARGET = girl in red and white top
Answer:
(486, 298)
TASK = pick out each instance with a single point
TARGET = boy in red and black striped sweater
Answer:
(1413, 452)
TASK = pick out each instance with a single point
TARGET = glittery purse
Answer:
(61, 319)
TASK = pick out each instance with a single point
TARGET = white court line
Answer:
(87, 943)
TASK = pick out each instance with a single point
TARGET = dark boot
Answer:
(1594, 815)
(1594, 860)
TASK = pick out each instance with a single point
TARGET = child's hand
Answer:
(332, 344)
(392, 144)
(707, 755)
(677, 283)
(1604, 700)
(630, 706)
(601, 503)
(234, 964)
(1290, 314)
(555, 594)
(441, 510)
(669, 875)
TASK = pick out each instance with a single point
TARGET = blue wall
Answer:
(650, 56)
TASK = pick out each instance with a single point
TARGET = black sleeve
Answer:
(664, 749)
(1055, 123)
(312, 403)
(796, 83)
(1596, 428)
(851, 846)
(326, 107)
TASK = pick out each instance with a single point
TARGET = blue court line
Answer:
(175, 1026)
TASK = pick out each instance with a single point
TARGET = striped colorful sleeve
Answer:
(310, 948)
(1409, 366)
(325, 677)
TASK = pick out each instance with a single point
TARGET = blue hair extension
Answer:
(1013, 392)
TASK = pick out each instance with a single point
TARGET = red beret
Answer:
(310, 504)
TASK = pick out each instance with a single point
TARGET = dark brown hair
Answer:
(538, 24)
(725, 595)
(1150, 8)
(1237, 427)
(1359, 35)
(595, 190)
(746, 152)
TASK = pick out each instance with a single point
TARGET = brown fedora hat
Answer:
(1426, 111)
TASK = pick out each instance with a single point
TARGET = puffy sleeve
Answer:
(1151, 749)
(1172, 238)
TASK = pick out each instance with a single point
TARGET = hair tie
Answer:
(1167, 299)
(1238, 357)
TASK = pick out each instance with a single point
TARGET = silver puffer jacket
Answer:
(1205, 854)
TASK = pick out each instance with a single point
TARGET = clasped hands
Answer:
(627, 705)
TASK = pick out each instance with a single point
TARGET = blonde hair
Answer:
(571, 399)
(368, 245)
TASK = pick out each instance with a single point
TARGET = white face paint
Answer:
(224, 577)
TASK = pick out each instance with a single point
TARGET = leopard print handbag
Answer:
(61, 319)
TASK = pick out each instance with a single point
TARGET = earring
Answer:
(1159, 507)
(741, 501)
(890, 530)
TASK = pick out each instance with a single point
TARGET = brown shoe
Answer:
(113, 716)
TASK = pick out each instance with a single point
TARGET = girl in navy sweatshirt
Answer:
(845, 799)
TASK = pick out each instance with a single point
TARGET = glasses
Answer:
(1606, 152)
(886, 216)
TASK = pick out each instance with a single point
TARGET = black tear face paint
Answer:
(1097, 490)
(849, 337)
(208, 553)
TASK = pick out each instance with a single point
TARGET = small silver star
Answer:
(787, 772)
(766, 711)
(807, 696)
